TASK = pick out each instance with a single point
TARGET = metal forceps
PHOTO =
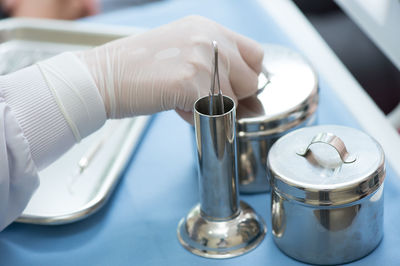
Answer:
(216, 105)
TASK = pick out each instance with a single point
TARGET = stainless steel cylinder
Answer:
(220, 226)
(327, 194)
(327, 234)
(253, 154)
(287, 100)
(216, 143)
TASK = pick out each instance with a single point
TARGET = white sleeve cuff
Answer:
(75, 92)
(56, 103)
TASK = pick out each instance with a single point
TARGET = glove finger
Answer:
(251, 51)
(226, 88)
(187, 116)
(243, 79)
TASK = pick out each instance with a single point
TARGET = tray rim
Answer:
(135, 129)
(128, 146)
(80, 27)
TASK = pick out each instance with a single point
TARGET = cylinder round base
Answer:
(221, 239)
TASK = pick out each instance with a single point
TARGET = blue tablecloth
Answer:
(138, 225)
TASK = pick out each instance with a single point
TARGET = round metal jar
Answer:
(327, 194)
(288, 100)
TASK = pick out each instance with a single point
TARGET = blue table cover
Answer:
(138, 224)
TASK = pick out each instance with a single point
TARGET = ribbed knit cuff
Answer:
(56, 104)
(75, 92)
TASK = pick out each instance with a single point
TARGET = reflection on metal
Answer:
(216, 107)
(220, 226)
(278, 216)
(287, 99)
(221, 238)
(335, 142)
(327, 235)
(337, 219)
(326, 215)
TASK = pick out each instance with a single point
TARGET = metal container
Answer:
(287, 100)
(327, 194)
(220, 226)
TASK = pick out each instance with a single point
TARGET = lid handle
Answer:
(263, 80)
(335, 142)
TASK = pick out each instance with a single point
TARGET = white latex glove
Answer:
(170, 67)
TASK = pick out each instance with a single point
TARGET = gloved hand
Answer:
(170, 67)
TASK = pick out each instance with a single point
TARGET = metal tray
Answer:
(69, 192)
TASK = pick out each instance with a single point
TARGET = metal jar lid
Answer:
(326, 165)
(288, 95)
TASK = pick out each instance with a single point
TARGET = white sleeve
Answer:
(44, 110)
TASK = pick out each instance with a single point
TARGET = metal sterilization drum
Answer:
(288, 100)
(327, 194)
